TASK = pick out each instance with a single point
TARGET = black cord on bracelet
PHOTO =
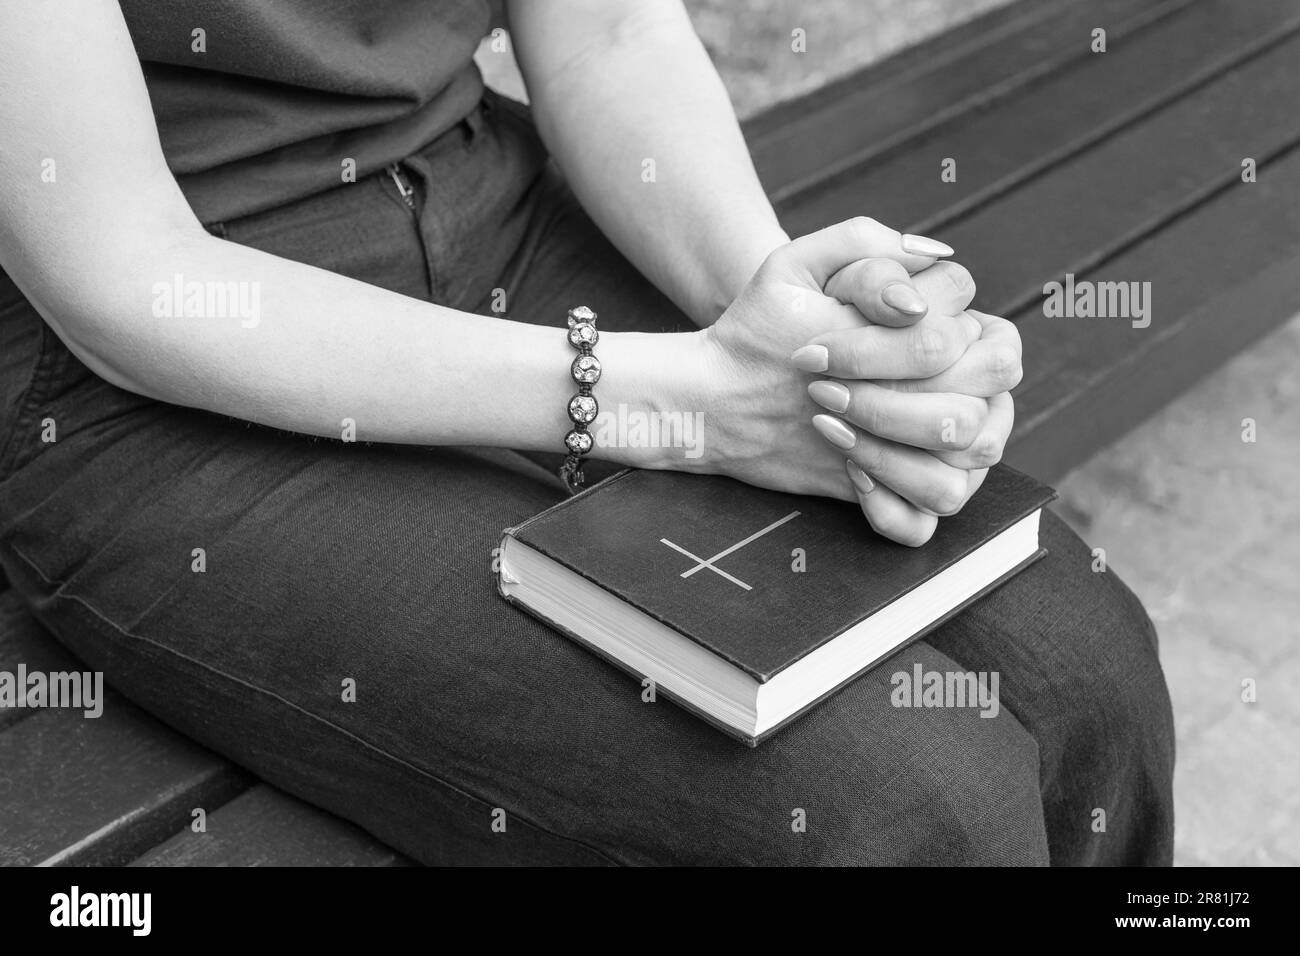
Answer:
(583, 408)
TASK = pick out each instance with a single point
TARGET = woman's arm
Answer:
(92, 224)
(91, 219)
(622, 91)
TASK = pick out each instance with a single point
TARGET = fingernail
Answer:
(922, 246)
(861, 480)
(835, 431)
(903, 298)
(830, 395)
(811, 358)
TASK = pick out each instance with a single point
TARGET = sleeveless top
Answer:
(261, 102)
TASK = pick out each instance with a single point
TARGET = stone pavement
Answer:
(1205, 527)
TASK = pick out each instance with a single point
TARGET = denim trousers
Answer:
(334, 564)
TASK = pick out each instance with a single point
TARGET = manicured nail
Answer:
(835, 431)
(811, 358)
(861, 480)
(830, 395)
(903, 298)
(921, 246)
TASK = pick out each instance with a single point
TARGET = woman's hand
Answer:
(758, 402)
(963, 414)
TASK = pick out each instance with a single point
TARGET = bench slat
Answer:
(850, 121)
(265, 827)
(1220, 277)
(1086, 209)
(101, 791)
(1000, 147)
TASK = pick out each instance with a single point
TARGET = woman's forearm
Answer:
(668, 177)
(310, 351)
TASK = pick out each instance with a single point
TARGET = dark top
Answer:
(267, 104)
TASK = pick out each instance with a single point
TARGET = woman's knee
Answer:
(1067, 631)
(867, 781)
(1079, 667)
(1101, 641)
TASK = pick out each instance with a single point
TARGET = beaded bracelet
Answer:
(582, 406)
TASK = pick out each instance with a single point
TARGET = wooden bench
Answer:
(1117, 166)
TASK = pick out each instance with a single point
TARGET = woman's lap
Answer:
(326, 563)
(338, 563)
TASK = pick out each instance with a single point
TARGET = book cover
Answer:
(758, 577)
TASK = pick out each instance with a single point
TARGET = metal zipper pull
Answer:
(404, 186)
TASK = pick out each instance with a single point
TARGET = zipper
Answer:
(404, 187)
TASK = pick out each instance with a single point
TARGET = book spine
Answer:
(513, 530)
(660, 689)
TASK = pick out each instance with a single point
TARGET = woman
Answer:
(216, 215)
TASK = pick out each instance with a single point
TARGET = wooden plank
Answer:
(266, 827)
(101, 791)
(24, 642)
(1096, 204)
(998, 148)
(848, 122)
(1220, 277)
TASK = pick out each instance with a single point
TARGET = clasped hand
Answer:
(851, 366)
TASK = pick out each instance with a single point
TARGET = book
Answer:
(749, 606)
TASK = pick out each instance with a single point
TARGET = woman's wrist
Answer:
(744, 253)
(652, 396)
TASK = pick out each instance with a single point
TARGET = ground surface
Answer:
(1206, 529)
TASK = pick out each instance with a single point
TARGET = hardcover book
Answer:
(749, 606)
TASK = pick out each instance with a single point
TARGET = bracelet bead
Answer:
(583, 409)
(581, 314)
(578, 443)
(586, 369)
(584, 333)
